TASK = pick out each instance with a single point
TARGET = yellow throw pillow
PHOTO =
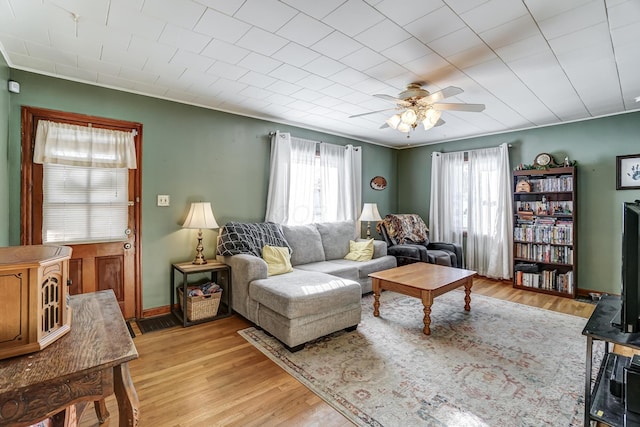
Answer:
(360, 251)
(278, 260)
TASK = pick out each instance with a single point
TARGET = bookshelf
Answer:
(544, 231)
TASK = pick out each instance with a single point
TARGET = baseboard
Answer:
(157, 311)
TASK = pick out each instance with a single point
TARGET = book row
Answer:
(561, 235)
(544, 253)
(547, 279)
(561, 183)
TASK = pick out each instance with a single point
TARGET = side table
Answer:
(220, 274)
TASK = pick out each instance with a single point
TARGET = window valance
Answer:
(73, 145)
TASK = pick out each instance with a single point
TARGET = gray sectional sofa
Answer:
(320, 296)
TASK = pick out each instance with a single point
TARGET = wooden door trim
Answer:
(30, 116)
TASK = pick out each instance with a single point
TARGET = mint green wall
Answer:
(189, 153)
(4, 137)
(594, 144)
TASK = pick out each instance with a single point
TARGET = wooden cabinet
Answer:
(545, 230)
(34, 311)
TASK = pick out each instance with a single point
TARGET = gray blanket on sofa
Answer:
(249, 238)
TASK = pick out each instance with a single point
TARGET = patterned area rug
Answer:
(502, 364)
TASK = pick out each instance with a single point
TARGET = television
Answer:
(630, 297)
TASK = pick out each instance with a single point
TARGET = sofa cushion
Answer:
(336, 237)
(345, 271)
(367, 267)
(304, 293)
(305, 243)
(249, 238)
(360, 251)
(277, 259)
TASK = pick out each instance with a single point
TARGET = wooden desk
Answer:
(87, 364)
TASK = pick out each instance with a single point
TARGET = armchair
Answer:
(407, 239)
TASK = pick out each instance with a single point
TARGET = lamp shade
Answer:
(370, 213)
(200, 216)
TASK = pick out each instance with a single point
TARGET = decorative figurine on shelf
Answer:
(567, 163)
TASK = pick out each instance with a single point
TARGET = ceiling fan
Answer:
(416, 106)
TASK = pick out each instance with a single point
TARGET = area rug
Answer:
(502, 364)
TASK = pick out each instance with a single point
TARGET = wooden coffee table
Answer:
(424, 281)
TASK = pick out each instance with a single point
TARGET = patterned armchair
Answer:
(407, 239)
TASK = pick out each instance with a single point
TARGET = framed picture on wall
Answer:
(628, 172)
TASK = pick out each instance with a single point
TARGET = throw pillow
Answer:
(360, 251)
(278, 260)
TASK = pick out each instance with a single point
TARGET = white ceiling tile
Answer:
(304, 30)
(314, 82)
(227, 86)
(427, 64)
(523, 49)
(255, 92)
(127, 18)
(462, 6)
(52, 54)
(269, 15)
(225, 6)
(31, 63)
(493, 13)
(257, 79)
(324, 66)
(98, 66)
(459, 41)
(407, 51)
(261, 41)
(386, 70)
(21, 29)
(184, 39)
(153, 89)
(260, 63)
(189, 60)
(511, 32)
(592, 13)
(221, 26)
(327, 101)
(409, 11)
(114, 39)
(625, 13)
(317, 9)
(336, 45)
(301, 105)
(471, 57)
(295, 54)
(371, 86)
(363, 59)
(115, 82)
(288, 73)
(357, 98)
(307, 95)
(218, 49)
(82, 46)
(229, 71)
(348, 76)
(154, 51)
(545, 9)
(182, 13)
(13, 44)
(583, 41)
(382, 35)
(353, 17)
(434, 25)
(337, 90)
(191, 78)
(137, 75)
(284, 88)
(279, 99)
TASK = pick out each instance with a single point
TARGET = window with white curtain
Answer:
(313, 182)
(85, 182)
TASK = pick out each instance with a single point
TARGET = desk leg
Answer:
(129, 414)
(587, 382)
(467, 293)
(375, 283)
(102, 413)
(427, 301)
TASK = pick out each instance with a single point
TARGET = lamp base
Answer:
(199, 259)
(368, 229)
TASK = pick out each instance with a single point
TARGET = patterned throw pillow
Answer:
(249, 238)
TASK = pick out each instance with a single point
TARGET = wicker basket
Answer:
(201, 307)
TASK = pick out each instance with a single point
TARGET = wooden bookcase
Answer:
(545, 231)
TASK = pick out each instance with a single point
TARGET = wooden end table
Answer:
(424, 281)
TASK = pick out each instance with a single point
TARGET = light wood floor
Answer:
(208, 375)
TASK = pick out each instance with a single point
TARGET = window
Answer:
(84, 204)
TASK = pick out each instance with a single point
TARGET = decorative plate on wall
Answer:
(378, 183)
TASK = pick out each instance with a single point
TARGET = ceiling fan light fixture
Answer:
(432, 116)
(427, 124)
(409, 116)
(394, 121)
(404, 127)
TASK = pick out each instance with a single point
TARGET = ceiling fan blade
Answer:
(398, 101)
(476, 108)
(440, 122)
(441, 94)
(384, 126)
(370, 112)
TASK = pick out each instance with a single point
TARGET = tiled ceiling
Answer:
(314, 63)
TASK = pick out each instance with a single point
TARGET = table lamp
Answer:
(200, 216)
(369, 213)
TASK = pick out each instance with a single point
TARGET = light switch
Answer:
(163, 200)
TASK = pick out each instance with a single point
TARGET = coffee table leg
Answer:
(427, 300)
(467, 294)
(375, 284)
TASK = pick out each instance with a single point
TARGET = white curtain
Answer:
(308, 185)
(489, 238)
(448, 197)
(72, 145)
